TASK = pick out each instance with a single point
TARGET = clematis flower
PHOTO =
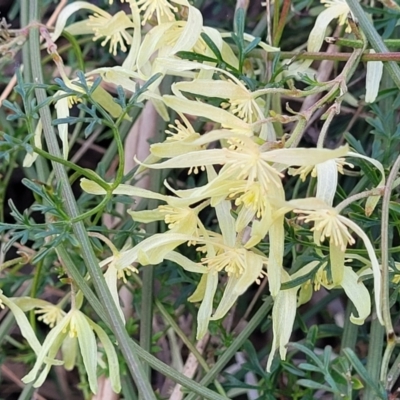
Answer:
(75, 328)
(328, 223)
(180, 140)
(248, 160)
(113, 29)
(327, 178)
(168, 38)
(286, 302)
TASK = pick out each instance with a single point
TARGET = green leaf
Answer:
(314, 385)
(361, 370)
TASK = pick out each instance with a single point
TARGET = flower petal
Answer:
(22, 321)
(376, 271)
(87, 347)
(358, 294)
(205, 310)
(373, 79)
(283, 314)
(237, 286)
(112, 359)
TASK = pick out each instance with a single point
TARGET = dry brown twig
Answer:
(13, 81)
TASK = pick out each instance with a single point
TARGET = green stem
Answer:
(88, 255)
(387, 319)
(385, 294)
(394, 373)
(374, 38)
(350, 330)
(357, 44)
(374, 355)
(82, 171)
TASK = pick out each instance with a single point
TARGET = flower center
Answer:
(160, 7)
(50, 315)
(113, 29)
(251, 196)
(328, 223)
(233, 261)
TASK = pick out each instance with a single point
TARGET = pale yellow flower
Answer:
(286, 302)
(329, 224)
(76, 328)
(112, 29)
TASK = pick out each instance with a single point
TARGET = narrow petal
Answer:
(51, 338)
(327, 178)
(317, 34)
(304, 157)
(237, 286)
(111, 279)
(87, 347)
(198, 294)
(153, 249)
(191, 31)
(205, 310)
(225, 118)
(22, 321)
(373, 79)
(283, 315)
(358, 294)
(275, 256)
(226, 222)
(146, 216)
(186, 264)
(112, 359)
(37, 140)
(68, 11)
(69, 349)
(336, 255)
(376, 271)
(62, 110)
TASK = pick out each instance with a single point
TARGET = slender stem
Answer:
(393, 373)
(324, 130)
(373, 192)
(278, 30)
(374, 361)
(357, 44)
(389, 57)
(82, 171)
(384, 247)
(387, 319)
(88, 255)
(350, 330)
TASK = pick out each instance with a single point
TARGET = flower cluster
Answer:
(245, 162)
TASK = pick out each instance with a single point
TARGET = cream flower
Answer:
(112, 29)
(286, 302)
(328, 223)
(75, 327)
